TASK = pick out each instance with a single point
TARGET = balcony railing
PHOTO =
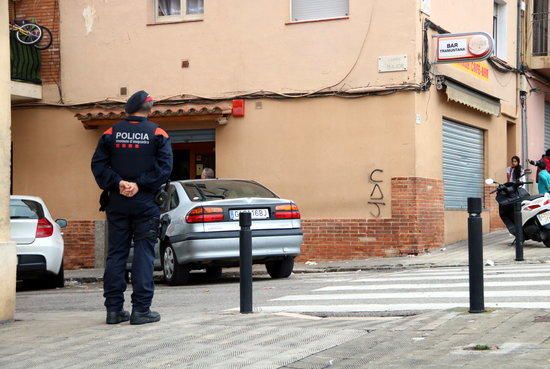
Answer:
(25, 61)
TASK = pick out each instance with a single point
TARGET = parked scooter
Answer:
(535, 214)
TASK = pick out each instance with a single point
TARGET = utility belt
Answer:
(163, 197)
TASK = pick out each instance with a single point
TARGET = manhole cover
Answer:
(543, 319)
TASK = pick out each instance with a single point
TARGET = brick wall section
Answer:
(79, 244)
(416, 225)
(339, 239)
(491, 205)
(45, 13)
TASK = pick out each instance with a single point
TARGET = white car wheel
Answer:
(169, 263)
(174, 273)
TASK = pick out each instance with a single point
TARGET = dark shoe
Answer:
(144, 318)
(115, 317)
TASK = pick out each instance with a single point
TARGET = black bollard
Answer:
(475, 255)
(519, 231)
(245, 253)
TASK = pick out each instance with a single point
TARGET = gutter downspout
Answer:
(522, 94)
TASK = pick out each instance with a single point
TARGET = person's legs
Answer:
(114, 283)
(145, 231)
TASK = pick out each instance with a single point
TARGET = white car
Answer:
(39, 242)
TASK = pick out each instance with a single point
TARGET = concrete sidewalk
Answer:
(444, 339)
(496, 249)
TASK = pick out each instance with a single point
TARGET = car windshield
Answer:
(209, 190)
(25, 209)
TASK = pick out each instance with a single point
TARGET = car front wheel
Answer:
(280, 268)
(174, 273)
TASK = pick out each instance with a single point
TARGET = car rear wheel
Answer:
(174, 273)
(60, 277)
(213, 272)
(55, 280)
(280, 268)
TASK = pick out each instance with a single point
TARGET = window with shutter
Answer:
(463, 164)
(303, 10)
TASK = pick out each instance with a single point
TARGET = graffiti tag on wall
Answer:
(376, 199)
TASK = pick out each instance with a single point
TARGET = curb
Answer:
(404, 267)
(335, 269)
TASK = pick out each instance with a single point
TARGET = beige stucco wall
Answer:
(319, 152)
(241, 46)
(8, 259)
(52, 153)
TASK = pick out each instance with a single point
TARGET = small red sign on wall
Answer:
(238, 108)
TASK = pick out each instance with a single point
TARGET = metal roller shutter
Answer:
(546, 126)
(193, 135)
(319, 9)
(463, 164)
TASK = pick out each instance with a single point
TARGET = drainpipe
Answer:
(521, 85)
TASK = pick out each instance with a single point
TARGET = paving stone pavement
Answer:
(517, 342)
(81, 340)
(264, 341)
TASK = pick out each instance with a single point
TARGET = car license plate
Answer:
(544, 218)
(256, 213)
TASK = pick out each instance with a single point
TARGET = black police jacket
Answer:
(134, 150)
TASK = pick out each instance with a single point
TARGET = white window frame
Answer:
(176, 18)
(501, 46)
(314, 19)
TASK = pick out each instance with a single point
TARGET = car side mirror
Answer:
(62, 223)
(489, 181)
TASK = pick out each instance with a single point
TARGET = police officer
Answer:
(132, 161)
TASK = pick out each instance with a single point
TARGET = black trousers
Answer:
(131, 220)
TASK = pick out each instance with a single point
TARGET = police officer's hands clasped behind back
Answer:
(132, 161)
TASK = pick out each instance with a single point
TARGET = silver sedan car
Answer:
(204, 229)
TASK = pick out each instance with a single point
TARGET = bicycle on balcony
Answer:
(30, 33)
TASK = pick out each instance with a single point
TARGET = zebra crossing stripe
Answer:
(413, 295)
(460, 272)
(451, 277)
(394, 307)
(522, 267)
(404, 286)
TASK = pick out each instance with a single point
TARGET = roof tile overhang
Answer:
(216, 112)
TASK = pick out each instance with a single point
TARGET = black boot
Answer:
(144, 317)
(115, 317)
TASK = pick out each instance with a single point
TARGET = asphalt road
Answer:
(200, 295)
(347, 293)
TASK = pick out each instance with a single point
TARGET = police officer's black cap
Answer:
(135, 102)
